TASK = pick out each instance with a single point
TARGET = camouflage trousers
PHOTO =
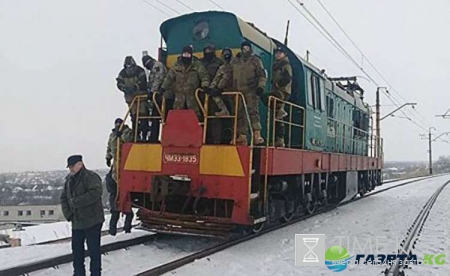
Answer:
(279, 126)
(183, 101)
(140, 105)
(252, 101)
(143, 109)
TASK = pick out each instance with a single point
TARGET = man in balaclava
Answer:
(249, 77)
(212, 64)
(187, 75)
(125, 135)
(133, 82)
(222, 81)
(156, 77)
(281, 88)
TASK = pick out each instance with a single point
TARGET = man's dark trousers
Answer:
(92, 236)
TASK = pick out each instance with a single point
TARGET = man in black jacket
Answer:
(81, 203)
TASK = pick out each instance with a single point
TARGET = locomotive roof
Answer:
(248, 30)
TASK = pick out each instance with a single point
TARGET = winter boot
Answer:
(221, 105)
(128, 220)
(258, 140)
(113, 223)
(241, 140)
(279, 142)
(281, 113)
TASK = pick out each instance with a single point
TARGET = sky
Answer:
(59, 60)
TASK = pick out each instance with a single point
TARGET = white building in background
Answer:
(31, 213)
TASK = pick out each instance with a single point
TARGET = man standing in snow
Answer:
(81, 204)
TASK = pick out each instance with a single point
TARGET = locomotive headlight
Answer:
(201, 30)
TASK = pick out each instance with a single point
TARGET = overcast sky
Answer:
(59, 60)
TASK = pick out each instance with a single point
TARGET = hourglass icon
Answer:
(310, 257)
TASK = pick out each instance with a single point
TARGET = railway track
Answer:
(164, 268)
(24, 269)
(408, 243)
(67, 258)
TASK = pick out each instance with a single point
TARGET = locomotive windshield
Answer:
(201, 30)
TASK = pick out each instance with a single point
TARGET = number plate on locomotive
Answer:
(180, 158)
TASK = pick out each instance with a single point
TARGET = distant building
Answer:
(31, 213)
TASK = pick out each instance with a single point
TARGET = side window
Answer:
(322, 95)
(311, 93)
(330, 106)
(317, 92)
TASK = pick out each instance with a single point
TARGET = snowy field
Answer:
(52, 231)
(387, 214)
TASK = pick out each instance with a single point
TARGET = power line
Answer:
(343, 51)
(217, 5)
(167, 6)
(186, 6)
(319, 30)
(155, 7)
(368, 61)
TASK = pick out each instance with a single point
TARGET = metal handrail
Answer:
(204, 107)
(271, 109)
(161, 111)
(370, 138)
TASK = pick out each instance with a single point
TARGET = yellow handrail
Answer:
(162, 114)
(272, 109)
(204, 107)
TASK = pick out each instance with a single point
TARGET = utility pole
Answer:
(430, 153)
(287, 34)
(430, 148)
(377, 119)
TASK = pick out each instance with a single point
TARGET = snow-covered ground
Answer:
(435, 237)
(385, 215)
(52, 231)
(28, 254)
(141, 257)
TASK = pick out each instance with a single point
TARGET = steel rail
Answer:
(396, 269)
(167, 267)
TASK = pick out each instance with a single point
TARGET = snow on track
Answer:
(435, 238)
(26, 254)
(387, 214)
(141, 257)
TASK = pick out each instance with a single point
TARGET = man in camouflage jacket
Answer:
(187, 74)
(133, 82)
(249, 77)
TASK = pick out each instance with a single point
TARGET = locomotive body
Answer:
(185, 185)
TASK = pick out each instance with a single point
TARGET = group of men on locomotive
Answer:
(244, 73)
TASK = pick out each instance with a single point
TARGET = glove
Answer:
(209, 91)
(133, 89)
(259, 91)
(118, 133)
(108, 162)
(204, 88)
(162, 90)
